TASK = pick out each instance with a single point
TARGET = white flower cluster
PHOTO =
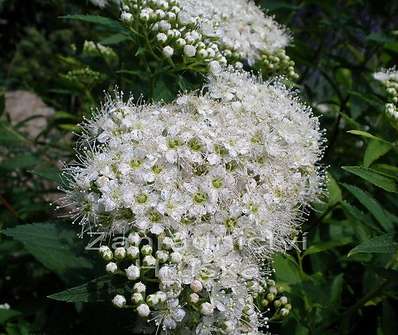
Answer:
(389, 78)
(220, 178)
(212, 31)
(103, 3)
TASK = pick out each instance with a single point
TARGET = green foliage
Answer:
(343, 281)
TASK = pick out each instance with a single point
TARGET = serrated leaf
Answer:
(373, 177)
(51, 244)
(371, 204)
(383, 244)
(374, 151)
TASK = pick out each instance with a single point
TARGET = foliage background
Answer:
(344, 282)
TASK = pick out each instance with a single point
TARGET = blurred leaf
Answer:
(162, 91)
(286, 269)
(51, 244)
(366, 135)
(373, 177)
(374, 151)
(115, 39)
(334, 191)
(99, 20)
(7, 314)
(93, 291)
(49, 172)
(383, 244)
(10, 136)
(336, 289)
(325, 246)
(371, 204)
(19, 162)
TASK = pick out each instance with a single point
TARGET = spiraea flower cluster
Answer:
(211, 32)
(216, 182)
(389, 78)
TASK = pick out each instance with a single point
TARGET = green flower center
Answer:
(200, 197)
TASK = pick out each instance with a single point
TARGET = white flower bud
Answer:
(162, 256)
(206, 308)
(106, 253)
(126, 17)
(149, 260)
(164, 25)
(167, 243)
(179, 314)
(189, 50)
(119, 301)
(146, 250)
(134, 239)
(139, 287)
(181, 42)
(284, 312)
(283, 300)
(175, 257)
(196, 286)
(152, 300)
(161, 296)
(161, 37)
(120, 253)
(111, 267)
(168, 51)
(137, 298)
(214, 67)
(194, 298)
(133, 252)
(132, 272)
(143, 310)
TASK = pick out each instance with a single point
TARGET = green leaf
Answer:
(49, 172)
(98, 20)
(52, 245)
(8, 136)
(325, 246)
(8, 314)
(371, 204)
(383, 244)
(115, 39)
(334, 191)
(336, 289)
(96, 290)
(162, 91)
(286, 269)
(19, 162)
(366, 135)
(387, 170)
(373, 177)
(374, 151)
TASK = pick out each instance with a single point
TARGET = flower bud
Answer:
(111, 267)
(120, 253)
(162, 256)
(206, 308)
(149, 260)
(137, 298)
(283, 300)
(194, 298)
(132, 252)
(132, 272)
(139, 287)
(106, 253)
(146, 250)
(189, 50)
(284, 311)
(143, 310)
(168, 51)
(134, 239)
(196, 286)
(119, 301)
(175, 257)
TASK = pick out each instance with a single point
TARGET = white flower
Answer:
(132, 272)
(206, 308)
(5, 306)
(111, 267)
(133, 252)
(119, 301)
(143, 310)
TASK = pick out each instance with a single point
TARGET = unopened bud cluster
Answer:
(197, 32)
(389, 78)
